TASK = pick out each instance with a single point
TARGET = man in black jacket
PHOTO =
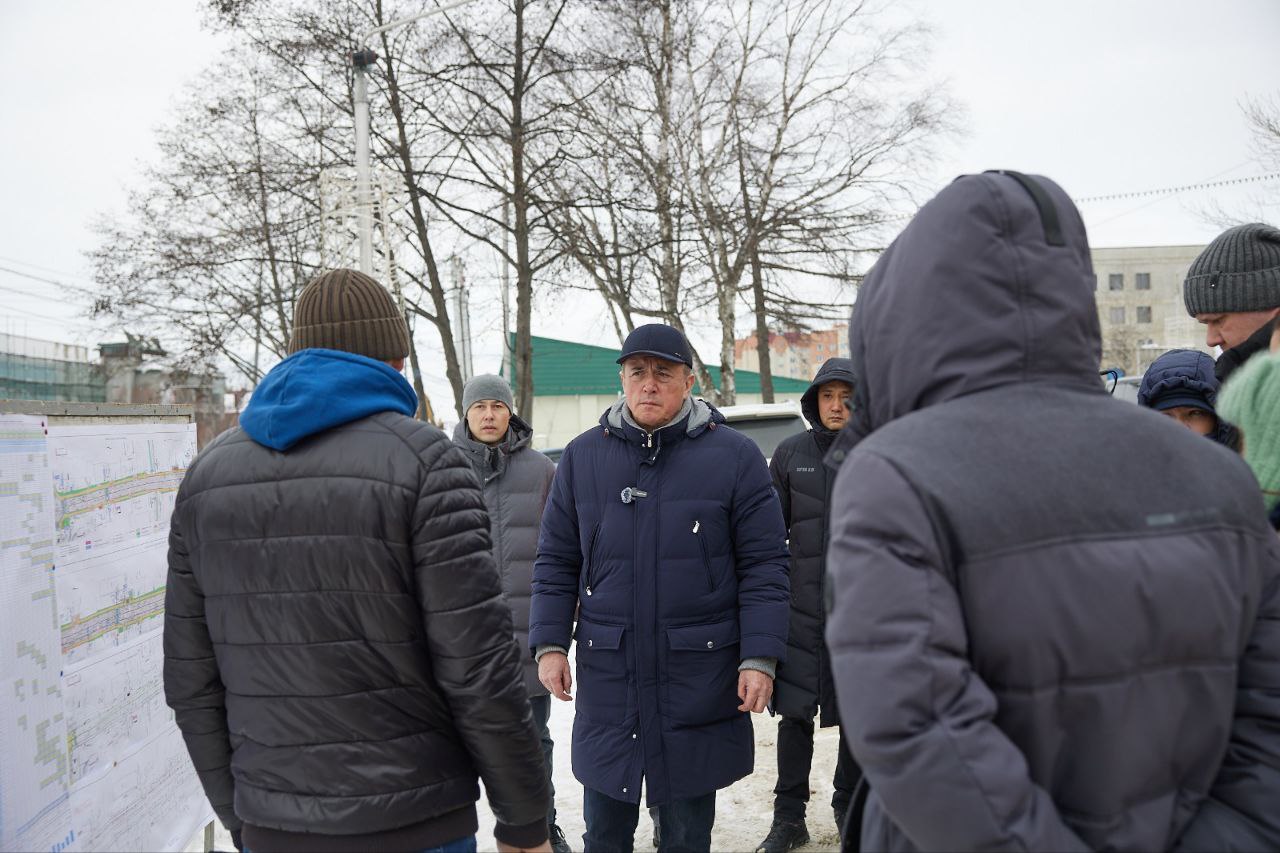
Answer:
(804, 683)
(1233, 288)
(337, 649)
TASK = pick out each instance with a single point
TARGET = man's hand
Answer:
(754, 689)
(544, 847)
(553, 672)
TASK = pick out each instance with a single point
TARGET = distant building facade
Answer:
(1140, 308)
(34, 369)
(796, 354)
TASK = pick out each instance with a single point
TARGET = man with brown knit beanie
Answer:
(338, 652)
(1233, 288)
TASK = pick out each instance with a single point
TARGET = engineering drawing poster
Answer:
(91, 757)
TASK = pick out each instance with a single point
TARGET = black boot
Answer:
(558, 842)
(784, 835)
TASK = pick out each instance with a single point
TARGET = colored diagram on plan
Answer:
(114, 486)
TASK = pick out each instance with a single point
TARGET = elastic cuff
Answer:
(769, 666)
(526, 836)
(549, 647)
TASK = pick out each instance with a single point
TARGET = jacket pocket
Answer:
(604, 682)
(591, 557)
(702, 673)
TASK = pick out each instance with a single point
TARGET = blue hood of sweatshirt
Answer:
(317, 389)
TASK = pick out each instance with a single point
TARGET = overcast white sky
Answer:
(1105, 96)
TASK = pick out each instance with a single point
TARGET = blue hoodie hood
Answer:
(317, 389)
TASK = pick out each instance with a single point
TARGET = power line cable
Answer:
(70, 287)
(69, 321)
(30, 295)
(1162, 191)
(1253, 179)
(63, 273)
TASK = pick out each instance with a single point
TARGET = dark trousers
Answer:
(795, 759)
(541, 706)
(611, 824)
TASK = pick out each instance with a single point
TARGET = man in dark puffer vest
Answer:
(804, 683)
(338, 652)
(1055, 618)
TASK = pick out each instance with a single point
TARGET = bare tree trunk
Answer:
(763, 351)
(669, 284)
(425, 412)
(440, 306)
(520, 206)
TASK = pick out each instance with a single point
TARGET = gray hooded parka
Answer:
(1056, 617)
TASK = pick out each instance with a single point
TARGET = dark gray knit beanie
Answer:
(1238, 271)
(486, 386)
(346, 310)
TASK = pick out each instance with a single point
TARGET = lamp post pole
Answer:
(361, 60)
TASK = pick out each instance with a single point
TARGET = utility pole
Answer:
(463, 312)
(361, 59)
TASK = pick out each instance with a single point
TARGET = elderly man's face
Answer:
(1234, 328)
(655, 389)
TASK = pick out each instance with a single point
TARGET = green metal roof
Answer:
(568, 369)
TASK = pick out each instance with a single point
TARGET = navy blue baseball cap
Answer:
(660, 340)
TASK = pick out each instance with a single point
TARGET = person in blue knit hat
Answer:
(1181, 385)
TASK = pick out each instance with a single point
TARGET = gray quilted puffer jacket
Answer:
(516, 482)
(1055, 616)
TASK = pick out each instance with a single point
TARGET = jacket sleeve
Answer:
(778, 472)
(760, 556)
(559, 562)
(473, 651)
(1243, 808)
(925, 736)
(192, 685)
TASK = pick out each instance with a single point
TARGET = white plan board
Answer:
(90, 758)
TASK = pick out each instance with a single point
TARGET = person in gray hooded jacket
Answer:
(516, 480)
(1068, 607)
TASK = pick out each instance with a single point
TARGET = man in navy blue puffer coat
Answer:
(664, 530)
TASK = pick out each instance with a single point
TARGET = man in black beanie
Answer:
(1233, 288)
(338, 652)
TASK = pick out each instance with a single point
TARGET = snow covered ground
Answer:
(743, 812)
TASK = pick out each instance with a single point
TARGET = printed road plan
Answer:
(90, 758)
(35, 776)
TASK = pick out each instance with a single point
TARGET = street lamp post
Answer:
(361, 60)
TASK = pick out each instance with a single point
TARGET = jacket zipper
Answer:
(591, 555)
(706, 557)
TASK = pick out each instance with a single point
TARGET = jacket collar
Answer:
(1242, 352)
(694, 418)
